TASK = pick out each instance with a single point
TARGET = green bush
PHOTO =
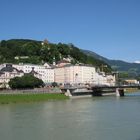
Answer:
(26, 81)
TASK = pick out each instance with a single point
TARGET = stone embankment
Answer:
(31, 91)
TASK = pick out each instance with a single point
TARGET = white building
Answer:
(102, 79)
(44, 72)
(131, 81)
(8, 72)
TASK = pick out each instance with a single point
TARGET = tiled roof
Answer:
(1, 73)
(9, 68)
(62, 61)
(33, 71)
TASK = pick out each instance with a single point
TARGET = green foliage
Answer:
(26, 81)
(123, 75)
(48, 52)
(38, 53)
(54, 84)
(138, 77)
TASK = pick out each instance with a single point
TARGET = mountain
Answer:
(39, 52)
(119, 65)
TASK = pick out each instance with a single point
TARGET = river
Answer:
(97, 118)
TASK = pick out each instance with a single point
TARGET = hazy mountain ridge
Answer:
(118, 65)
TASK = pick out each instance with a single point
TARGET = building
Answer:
(104, 79)
(62, 73)
(62, 63)
(8, 72)
(131, 82)
(111, 79)
(82, 74)
(71, 74)
(44, 72)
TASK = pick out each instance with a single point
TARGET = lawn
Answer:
(14, 98)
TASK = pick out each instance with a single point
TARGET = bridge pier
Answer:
(97, 92)
(119, 92)
(68, 93)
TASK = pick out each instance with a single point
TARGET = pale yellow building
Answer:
(82, 74)
(71, 74)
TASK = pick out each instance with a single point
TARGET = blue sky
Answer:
(110, 28)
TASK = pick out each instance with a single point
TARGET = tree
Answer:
(54, 84)
(26, 81)
(38, 53)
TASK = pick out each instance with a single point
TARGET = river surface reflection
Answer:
(102, 118)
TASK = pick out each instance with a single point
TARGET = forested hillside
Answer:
(38, 52)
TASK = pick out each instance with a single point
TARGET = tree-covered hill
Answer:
(38, 52)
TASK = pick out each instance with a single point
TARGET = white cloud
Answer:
(138, 62)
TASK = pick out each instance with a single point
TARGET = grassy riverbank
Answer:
(15, 98)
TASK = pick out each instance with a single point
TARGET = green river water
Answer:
(97, 118)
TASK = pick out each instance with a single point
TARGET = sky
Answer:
(110, 28)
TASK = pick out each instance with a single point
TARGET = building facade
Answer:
(8, 72)
(82, 74)
(64, 73)
(71, 74)
(44, 72)
(104, 79)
